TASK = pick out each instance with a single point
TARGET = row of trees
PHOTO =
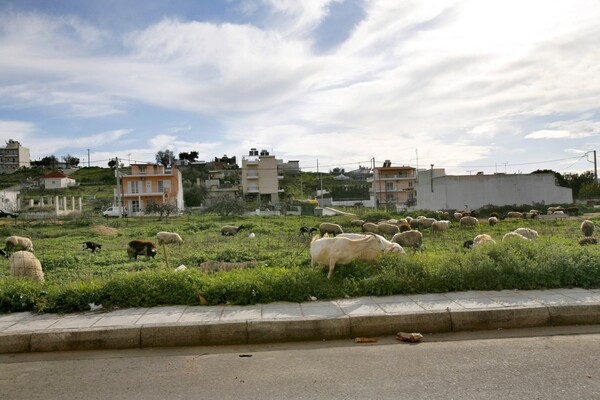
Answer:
(52, 162)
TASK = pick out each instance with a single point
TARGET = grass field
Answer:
(75, 278)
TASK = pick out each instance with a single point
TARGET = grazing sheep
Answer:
(168, 238)
(25, 264)
(181, 268)
(357, 222)
(16, 243)
(587, 227)
(326, 227)
(483, 239)
(404, 226)
(572, 211)
(558, 212)
(513, 235)
(388, 229)
(492, 221)
(527, 232)
(468, 222)
(411, 239)
(252, 235)
(93, 246)
(514, 214)
(341, 250)
(440, 226)
(457, 216)
(389, 245)
(141, 248)
(230, 230)
(426, 222)
(370, 227)
(495, 214)
(306, 229)
(584, 241)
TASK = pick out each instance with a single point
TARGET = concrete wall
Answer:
(475, 191)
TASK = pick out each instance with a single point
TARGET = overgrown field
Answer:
(74, 279)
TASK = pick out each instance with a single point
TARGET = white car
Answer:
(115, 211)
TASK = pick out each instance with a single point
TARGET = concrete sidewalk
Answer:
(279, 322)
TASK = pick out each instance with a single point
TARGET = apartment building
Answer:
(151, 183)
(13, 156)
(261, 177)
(393, 186)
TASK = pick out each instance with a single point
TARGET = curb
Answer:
(291, 330)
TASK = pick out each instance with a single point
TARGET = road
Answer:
(558, 363)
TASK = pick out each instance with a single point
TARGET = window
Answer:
(389, 186)
(410, 184)
(135, 206)
(390, 197)
(142, 169)
(134, 187)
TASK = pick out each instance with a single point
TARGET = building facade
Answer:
(149, 183)
(13, 156)
(437, 191)
(261, 178)
(57, 180)
(393, 186)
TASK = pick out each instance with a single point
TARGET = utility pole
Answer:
(88, 157)
(595, 167)
(119, 202)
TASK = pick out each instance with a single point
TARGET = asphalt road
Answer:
(546, 363)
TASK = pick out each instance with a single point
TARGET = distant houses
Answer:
(57, 180)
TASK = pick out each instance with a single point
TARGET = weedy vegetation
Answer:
(275, 264)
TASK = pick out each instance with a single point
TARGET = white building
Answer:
(58, 180)
(437, 191)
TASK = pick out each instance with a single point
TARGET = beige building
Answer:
(393, 186)
(261, 177)
(13, 156)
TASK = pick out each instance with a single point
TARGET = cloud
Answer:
(548, 134)
(17, 130)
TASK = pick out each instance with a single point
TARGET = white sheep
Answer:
(341, 250)
(181, 268)
(169, 238)
(587, 227)
(327, 227)
(457, 216)
(527, 232)
(357, 222)
(440, 226)
(25, 264)
(16, 243)
(468, 221)
(492, 221)
(513, 235)
(483, 239)
(230, 230)
(412, 239)
(389, 246)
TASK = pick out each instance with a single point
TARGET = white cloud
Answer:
(16, 130)
(447, 79)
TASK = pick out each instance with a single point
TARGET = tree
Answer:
(166, 157)
(194, 195)
(226, 205)
(49, 162)
(70, 160)
(163, 209)
(590, 191)
(191, 156)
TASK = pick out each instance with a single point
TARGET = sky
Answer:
(466, 85)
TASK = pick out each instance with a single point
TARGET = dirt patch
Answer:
(103, 230)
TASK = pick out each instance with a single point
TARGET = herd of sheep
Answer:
(329, 247)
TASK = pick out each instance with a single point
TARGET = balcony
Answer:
(252, 189)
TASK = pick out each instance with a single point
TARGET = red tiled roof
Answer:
(56, 174)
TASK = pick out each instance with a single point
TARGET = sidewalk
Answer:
(280, 322)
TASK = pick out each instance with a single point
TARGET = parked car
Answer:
(115, 211)
(6, 214)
